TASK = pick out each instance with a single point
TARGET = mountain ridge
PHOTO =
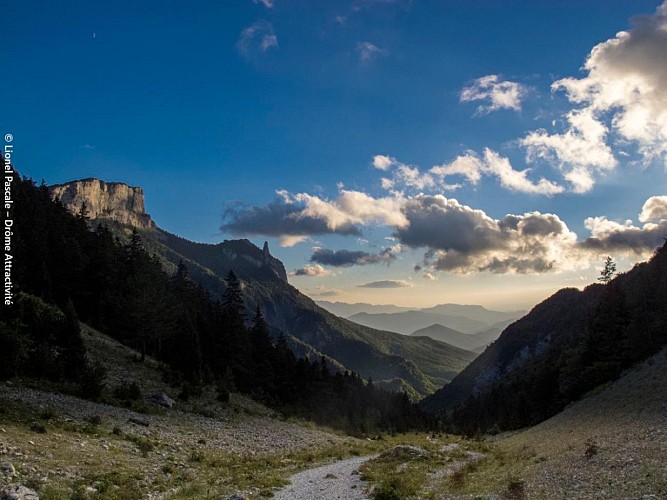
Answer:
(448, 335)
(564, 347)
(424, 364)
(409, 321)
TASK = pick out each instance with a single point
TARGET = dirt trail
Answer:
(336, 481)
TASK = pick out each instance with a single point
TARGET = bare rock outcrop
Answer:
(105, 200)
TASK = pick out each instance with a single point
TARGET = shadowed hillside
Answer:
(424, 364)
(566, 346)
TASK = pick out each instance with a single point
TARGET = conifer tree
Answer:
(607, 274)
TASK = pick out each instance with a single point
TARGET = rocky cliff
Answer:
(105, 200)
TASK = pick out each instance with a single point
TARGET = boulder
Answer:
(7, 470)
(18, 492)
(160, 399)
(139, 421)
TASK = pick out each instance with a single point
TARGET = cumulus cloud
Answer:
(623, 94)
(429, 276)
(462, 239)
(311, 271)
(382, 162)
(654, 210)
(627, 238)
(346, 258)
(368, 52)
(282, 218)
(295, 217)
(498, 94)
(456, 238)
(266, 3)
(386, 284)
(257, 39)
(469, 167)
(580, 152)
(516, 180)
(626, 75)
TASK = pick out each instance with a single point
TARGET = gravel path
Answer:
(337, 481)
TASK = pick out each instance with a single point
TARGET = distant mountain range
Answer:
(345, 310)
(453, 337)
(409, 321)
(473, 312)
(420, 362)
(470, 327)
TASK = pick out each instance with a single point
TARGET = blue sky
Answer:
(214, 107)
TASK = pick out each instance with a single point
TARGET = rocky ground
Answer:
(64, 447)
(611, 445)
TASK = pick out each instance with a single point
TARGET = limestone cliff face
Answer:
(105, 200)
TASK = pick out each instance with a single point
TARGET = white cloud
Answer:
(601, 227)
(287, 241)
(580, 152)
(515, 180)
(257, 39)
(429, 276)
(456, 237)
(314, 270)
(497, 93)
(654, 210)
(622, 97)
(469, 166)
(266, 3)
(368, 52)
(382, 162)
(352, 208)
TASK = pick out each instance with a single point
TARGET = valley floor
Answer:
(611, 445)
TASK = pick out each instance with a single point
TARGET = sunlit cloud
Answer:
(469, 168)
(498, 94)
(311, 271)
(622, 96)
(458, 238)
(654, 210)
(581, 152)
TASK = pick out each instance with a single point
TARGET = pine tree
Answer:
(232, 299)
(607, 274)
(263, 353)
(237, 351)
